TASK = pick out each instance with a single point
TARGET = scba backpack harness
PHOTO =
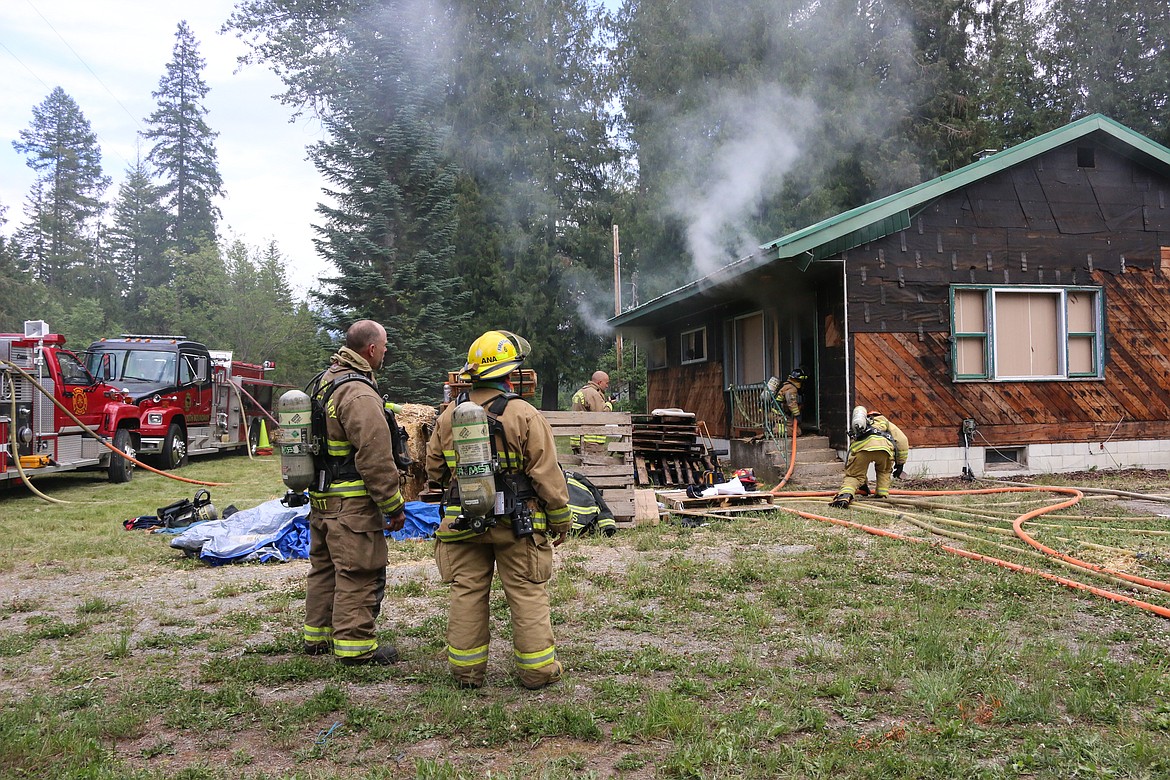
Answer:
(513, 488)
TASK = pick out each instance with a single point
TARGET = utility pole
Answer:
(617, 290)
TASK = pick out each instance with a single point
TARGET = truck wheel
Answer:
(174, 451)
(121, 470)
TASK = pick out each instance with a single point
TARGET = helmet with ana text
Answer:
(494, 355)
(798, 374)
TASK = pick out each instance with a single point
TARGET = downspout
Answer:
(847, 342)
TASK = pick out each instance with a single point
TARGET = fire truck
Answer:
(35, 433)
(192, 400)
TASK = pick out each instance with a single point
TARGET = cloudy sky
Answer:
(109, 55)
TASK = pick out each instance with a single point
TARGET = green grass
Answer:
(759, 647)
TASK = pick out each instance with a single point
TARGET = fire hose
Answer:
(1129, 580)
(90, 432)
(14, 445)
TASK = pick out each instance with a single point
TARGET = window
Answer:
(694, 346)
(749, 350)
(656, 354)
(1018, 333)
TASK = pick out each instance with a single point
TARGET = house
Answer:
(1013, 315)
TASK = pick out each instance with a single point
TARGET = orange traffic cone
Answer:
(264, 447)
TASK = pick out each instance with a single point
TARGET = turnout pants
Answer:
(857, 471)
(347, 576)
(524, 566)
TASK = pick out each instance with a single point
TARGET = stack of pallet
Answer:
(523, 384)
(612, 473)
(668, 449)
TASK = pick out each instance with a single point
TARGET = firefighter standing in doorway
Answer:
(529, 505)
(789, 395)
(592, 398)
(351, 508)
(878, 441)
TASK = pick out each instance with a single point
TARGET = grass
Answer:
(764, 646)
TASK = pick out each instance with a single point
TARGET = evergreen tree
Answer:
(136, 242)
(184, 146)
(1112, 58)
(58, 236)
(528, 105)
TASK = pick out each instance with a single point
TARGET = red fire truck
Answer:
(36, 433)
(192, 400)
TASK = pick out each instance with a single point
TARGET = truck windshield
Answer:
(133, 365)
(72, 372)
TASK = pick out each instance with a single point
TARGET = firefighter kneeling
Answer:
(878, 441)
(504, 496)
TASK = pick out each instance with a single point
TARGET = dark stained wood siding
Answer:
(694, 388)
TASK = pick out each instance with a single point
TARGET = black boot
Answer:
(384, 655)
(842, 500)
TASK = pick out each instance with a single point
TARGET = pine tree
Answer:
(136, 242)
(184, 146)
(58, 236)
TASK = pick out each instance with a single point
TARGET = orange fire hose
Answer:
(1075, 497)
(791, 457)
(93, 434)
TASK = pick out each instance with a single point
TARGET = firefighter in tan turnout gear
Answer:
(878, 441)
(505, 496)
(592, 398)
(353, 501)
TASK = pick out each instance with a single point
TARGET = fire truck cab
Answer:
(40, 436)
(192, 401)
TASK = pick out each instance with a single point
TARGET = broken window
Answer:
(694, 346)
(1017, 333)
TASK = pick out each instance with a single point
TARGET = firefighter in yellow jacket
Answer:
(349, 510)
(878, 441)
(592, 398)
(513, 537)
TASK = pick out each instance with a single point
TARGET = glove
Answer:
(841, 501)
(396, 521)
(898, 470)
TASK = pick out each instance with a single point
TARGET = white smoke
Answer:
(737, 148)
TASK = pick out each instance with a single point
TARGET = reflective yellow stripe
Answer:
(350, 489)
(338, 448)
(591, 438)
(556, 516)
(391, 505)
(317, 633)
(350, 648)
(449, 457)
(472, 657)
(537, 659)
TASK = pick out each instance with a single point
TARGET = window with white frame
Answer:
(1022, 333)
(694, 346)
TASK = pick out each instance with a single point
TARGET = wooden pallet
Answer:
(745, 502)
(612, 474)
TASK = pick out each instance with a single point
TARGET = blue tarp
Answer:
(274, 532)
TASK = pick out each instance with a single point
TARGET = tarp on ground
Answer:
(275, 532)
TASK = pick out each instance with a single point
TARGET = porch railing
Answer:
(754, 410)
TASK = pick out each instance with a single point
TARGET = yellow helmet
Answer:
(494, 355)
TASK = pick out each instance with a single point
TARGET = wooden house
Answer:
(1010, 315)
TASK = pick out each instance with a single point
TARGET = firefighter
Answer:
(351, 508)
(592, 398)
(514, 538)
(789, 397)
(878, 441)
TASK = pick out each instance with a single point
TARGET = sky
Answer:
(109, 55)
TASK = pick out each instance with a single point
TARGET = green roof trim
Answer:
(892, 213)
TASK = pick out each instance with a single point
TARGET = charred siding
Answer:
(1048, 223)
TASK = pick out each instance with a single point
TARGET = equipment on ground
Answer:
(185, 512)
(297, 448)
(474, 468)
